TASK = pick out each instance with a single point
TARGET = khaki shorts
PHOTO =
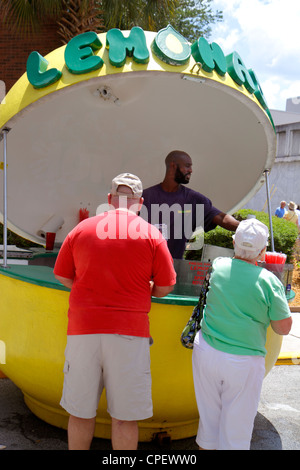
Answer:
(119, 363)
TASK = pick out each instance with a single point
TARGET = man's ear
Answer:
(141, 203)
(173, 166)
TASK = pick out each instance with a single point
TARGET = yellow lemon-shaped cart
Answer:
(33, 324)
(101, 105)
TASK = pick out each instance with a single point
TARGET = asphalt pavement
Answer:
(276, 427)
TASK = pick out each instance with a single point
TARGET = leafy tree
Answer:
(78, 17)
(25, 16)
(191, 18)
(124, 14)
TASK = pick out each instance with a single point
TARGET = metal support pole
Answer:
(5, 131)
(266, 172)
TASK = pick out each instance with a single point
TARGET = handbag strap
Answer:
(205, 285)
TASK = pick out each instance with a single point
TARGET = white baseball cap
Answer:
(251, 235)
(129, 180)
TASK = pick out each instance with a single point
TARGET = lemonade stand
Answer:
(101, 105)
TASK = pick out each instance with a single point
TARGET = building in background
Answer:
(284, 177)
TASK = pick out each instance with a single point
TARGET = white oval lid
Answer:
(64, 149)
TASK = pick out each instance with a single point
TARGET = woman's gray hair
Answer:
(246, 254)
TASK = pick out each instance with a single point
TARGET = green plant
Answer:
(284, 233)
(14, 239)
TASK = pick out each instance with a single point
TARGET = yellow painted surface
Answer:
(22, 94)
(33, 323)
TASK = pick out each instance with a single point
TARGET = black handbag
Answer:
(193, 325)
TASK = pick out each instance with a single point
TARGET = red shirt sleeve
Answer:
(64, 265)
(163, 267)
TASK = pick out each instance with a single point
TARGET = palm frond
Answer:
(79, 17)
(24, 16)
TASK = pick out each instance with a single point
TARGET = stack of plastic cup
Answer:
(282, 258)
(275, 258)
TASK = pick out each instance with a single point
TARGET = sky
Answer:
(266, 34)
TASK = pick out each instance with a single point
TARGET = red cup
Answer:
(50, 239)
(270, 257)
(282, 258)
(275, 258)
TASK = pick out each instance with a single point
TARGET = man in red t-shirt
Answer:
(112, 263)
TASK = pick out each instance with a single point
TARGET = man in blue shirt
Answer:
(280, 211)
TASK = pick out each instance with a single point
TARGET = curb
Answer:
(288, 359)
(295, 309)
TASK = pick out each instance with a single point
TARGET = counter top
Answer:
(43, 276)
(40, 275)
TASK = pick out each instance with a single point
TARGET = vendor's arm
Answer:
(65, 281)
(226, 221)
